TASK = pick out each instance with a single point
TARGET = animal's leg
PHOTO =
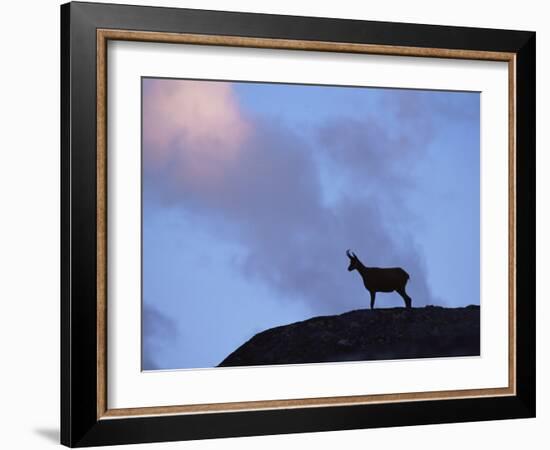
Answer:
(406, 298)
(372, 297)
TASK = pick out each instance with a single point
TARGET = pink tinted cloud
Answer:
(195, 128)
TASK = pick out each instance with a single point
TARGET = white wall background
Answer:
(29, 229)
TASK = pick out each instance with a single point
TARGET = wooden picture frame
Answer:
(86, 418)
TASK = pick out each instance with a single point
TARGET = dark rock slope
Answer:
(393, 333)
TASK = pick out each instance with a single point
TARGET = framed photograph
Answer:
(277, 224)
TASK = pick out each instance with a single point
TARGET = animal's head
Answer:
(354, 262)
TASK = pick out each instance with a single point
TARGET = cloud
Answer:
(366, 151)
(192, 128)
(158, 329)
(270, 196)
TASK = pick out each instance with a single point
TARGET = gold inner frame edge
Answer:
(103, 36)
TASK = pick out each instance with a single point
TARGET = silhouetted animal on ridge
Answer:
(376, 279)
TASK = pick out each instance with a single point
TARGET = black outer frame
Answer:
(79, 424)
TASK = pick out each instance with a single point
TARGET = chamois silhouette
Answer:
(376, 279)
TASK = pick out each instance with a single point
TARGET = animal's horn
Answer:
(348, 252)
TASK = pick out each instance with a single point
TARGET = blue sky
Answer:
(252, 192)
